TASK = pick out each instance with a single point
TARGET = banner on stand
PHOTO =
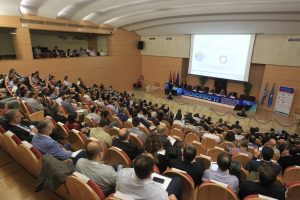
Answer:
(284, 100)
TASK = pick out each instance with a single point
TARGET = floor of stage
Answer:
(263, 115)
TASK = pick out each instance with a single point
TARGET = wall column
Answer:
(22, 43)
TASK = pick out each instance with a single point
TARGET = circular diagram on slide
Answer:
(199, 56)
(223, 59)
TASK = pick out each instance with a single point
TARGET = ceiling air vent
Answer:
(151, 38)
(32, 21)
(169, 38)
(91, 27)
(293, 39)
(55, 23)
(75, 25)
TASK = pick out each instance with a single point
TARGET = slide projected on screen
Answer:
(221, 56)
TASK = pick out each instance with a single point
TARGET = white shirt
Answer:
(139, 189)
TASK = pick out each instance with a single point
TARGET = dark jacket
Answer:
(194, 169)
(130, 149)
(53, 173)
(23, 134)
(253, 166)
(274, 191)
(287, 161)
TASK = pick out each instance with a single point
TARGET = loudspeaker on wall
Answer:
(140, 45)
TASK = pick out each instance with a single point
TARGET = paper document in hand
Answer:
(75, 153)
(162, 152)
(161, 180)
(214, 166)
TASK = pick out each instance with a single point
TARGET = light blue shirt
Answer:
(221, 176)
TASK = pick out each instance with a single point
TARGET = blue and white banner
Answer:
(284, 100)
(214, 98)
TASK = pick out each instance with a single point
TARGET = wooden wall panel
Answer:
(23, 36)
(9, 21)
(281, 76)
(124, 43)
(157, 69)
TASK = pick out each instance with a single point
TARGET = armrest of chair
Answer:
(37, 116)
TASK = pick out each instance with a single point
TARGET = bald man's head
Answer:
(93, 150)
(124, 134)
(272, 142)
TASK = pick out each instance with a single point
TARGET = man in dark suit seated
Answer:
(291, 159)
(266, 185)
(24, 130)
(267, 154)
(123, 142)
(193, 168)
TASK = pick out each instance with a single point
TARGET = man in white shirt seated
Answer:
(137, 183)
(212, 134)
(104, 175)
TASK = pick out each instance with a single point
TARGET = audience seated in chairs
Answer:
(100, 133)
(266, 185)
(121, 114)
(104, 175)
(154, 147)
(135, 130)
(136, 182)
(158, 145)
(57, 114)
(94, 115)
(162, 133)
(222, 173)
(32, 100)
(23, 129)
(291, 159)
(242, 147)
(267, 154)
(193, 168)
(72, 123)
(212, 134)
(45, 144)
(123, 142)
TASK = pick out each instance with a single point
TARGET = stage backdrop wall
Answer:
(281, 76)
(156, 69)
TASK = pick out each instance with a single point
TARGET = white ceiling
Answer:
(154, 17)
